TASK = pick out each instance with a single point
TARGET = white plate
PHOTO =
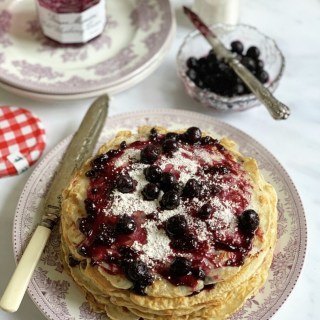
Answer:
(114, 89)
(56, 295)
(137, 32)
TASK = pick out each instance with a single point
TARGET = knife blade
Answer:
(277, 109)
(79, 149)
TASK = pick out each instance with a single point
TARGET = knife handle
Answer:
(276, 108)
(19, 281)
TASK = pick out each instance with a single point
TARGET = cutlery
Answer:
(276, 108)
(79, 149)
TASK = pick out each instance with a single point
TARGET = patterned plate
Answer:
(136, 35)
(54, 292)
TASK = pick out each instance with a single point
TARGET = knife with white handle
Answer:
(276, 108)
(80, 148)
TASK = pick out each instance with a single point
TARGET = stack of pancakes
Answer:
(222, 291)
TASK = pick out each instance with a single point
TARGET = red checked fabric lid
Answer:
(22, 140)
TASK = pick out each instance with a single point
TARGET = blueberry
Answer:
(209, 82)
(212, 52)
(249, 63)
(139, 274)
(263, 76)
(150, 153)
(125, 183)
(199, 83)
(198, 273)
(99, 162)
(205, 211)
(237, 46)
(90, 207)
(207, 140)
(72, 261)
(167, 181)
(85, 226)
(172, 136)
(192, 74)
(191, 188)
(170, 200)
(193, 135)
(176, 226)
(123, 145)
(106, 235)
(170, 145)
(125, 225)
(180, 267)
(224, 69)
(253, 52)
(259, 64)
(127, 253)
(112, 152)
(202, 62)
(92, 173)
(139, 289)
(153, 173)
(178, 187)
(192, 63)
(239, 89)
(212, 67)
(153, 134)
(248, 221)
(150, 191)
(83, 251)
(212, 60)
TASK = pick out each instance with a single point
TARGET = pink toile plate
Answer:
(54, 292)
(135, 40)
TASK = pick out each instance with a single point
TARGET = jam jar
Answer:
(72, 21)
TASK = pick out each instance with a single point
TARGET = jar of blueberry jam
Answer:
(72, 21)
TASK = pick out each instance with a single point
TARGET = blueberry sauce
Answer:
(185, 210)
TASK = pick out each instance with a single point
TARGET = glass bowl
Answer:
(195, 45)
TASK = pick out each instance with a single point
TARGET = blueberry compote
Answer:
(177, 210)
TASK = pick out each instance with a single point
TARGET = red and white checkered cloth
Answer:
(22, 140)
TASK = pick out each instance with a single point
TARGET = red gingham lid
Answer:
(22, 140)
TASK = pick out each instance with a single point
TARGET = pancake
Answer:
(168, 225)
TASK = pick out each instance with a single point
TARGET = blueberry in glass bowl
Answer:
(212, 82)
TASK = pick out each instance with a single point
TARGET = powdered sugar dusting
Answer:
(157, 247)
(129, 154)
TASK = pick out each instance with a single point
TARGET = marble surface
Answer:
(294, 142)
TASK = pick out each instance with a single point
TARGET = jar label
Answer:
(73, 27)
(19, 161)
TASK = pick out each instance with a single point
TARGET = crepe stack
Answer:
(196, 244)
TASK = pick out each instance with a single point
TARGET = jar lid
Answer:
(22, 140)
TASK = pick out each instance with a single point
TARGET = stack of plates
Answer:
(137, 36)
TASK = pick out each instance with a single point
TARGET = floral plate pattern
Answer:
(136, 32)
(54, 292)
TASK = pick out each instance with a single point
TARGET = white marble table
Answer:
(294, 142)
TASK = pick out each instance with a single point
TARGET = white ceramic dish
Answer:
(134, 40)
(111, 90)
(54, 292)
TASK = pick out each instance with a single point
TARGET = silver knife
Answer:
(276, 108)
(80, 148)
